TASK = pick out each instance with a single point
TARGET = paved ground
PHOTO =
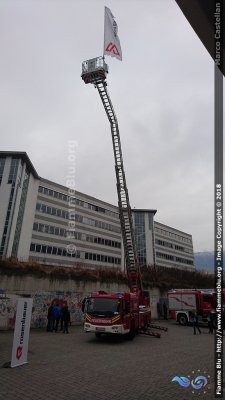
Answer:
(78, 366)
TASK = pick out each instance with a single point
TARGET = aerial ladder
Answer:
(95, 71)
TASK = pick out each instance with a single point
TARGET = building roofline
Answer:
(143, 210)
(174, 229)
(23, 155)
(77, 193)
(25, 158)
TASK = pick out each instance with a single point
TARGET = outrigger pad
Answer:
(149, 333)
(159, 327)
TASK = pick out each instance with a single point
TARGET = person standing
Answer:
(165, 310)
(65, 318)
(57, 315)
(50, 319)
(84, 307)
(210, 322)
(61, 319)
(194, 320)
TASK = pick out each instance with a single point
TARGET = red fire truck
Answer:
(121, 312)
(118, 313)
(182, 302)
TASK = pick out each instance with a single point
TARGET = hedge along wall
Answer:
(44, 290)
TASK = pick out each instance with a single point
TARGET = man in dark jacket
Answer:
(65, 318)
(194, 319)
(61, 320)
(210, 322)
(165, 310)
(50, 319)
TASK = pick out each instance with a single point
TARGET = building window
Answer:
(13, 170)
(78, 218)
(165, 256)
(179, 248)
(139, 227)
(78, 202)
(15, 180)
(2, 165)
(38, 248)
(151, 228)
(20, 214)
(163, 243)
(32, 247)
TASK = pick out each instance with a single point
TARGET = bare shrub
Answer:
(152, 275)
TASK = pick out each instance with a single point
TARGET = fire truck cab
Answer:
(118, 313)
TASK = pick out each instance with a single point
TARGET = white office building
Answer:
(45, 221)
(160, 244)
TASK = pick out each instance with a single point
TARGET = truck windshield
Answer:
(103, 307)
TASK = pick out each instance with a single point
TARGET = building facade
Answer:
(144, 235)
(42, 220)
(160, 244)
(48, 222)
(173, 248)
(74, 226)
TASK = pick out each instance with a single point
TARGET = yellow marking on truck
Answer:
(114, 319)
(88, 317)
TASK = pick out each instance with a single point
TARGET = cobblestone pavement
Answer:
(78, 366)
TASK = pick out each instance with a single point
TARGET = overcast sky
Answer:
(162, 93)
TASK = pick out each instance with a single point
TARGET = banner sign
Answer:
(111, 40)
(21, 332)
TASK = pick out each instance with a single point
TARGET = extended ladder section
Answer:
(96, 74)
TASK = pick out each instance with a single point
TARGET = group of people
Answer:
(56, 315)
(194, 320)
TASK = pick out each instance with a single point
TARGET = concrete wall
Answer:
(43, 291)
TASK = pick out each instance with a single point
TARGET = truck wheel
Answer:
(182, 319)
(98, 334)
(132, 332)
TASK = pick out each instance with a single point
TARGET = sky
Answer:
(162, 92)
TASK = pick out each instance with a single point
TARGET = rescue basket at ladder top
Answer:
(94, 70)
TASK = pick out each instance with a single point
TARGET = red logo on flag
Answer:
(112, 48)
(19, 352)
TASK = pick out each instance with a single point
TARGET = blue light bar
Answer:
(119, 293)
(99, 292)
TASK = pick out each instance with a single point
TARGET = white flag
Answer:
(111, 41)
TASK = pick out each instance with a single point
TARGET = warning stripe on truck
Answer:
(114, 319)
(181, 301)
